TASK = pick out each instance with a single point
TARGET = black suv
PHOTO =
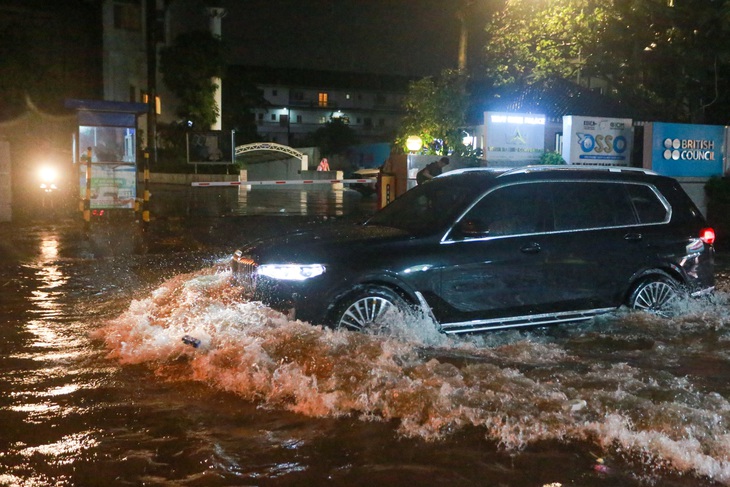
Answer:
(480, 249)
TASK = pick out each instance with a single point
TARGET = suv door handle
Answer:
(633, 237)
(531, 248)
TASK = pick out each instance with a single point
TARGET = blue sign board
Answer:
(682, 150)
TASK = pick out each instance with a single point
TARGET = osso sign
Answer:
(681, 150)
(597, 141)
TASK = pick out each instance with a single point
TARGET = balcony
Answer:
(312, 104)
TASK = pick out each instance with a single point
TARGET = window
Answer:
(128, 15)
(512, 210)
(591, 205)
(323, 99)
(274, 92)
(145, 98)
(296, 95)
(649, 209)
(261, 116)
(380, 99)
(381, 122)
(273, 117)
(299, 119)
(368, 122)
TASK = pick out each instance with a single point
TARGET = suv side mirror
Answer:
(473, 227)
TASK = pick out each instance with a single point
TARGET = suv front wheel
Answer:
(655, 294)
(367, 307)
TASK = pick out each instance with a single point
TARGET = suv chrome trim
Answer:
(525, 320)
(445, 239)
(572, 168)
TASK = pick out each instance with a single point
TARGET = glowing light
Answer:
(414, 143)
(290, 272)
(48, 174)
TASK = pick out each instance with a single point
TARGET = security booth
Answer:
(106, 153)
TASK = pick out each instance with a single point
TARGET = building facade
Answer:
(295, 103)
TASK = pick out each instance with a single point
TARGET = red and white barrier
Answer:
(289, 181)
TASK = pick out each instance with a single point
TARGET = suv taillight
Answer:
(707, 235)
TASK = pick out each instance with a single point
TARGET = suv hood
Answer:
(321, 244)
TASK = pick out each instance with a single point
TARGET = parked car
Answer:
(483, 249)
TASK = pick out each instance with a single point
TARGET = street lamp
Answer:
(467, 139)
(414, 143)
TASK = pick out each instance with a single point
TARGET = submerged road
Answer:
(100, 390)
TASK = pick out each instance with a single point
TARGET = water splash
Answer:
(632, 384)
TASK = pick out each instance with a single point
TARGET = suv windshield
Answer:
(430, 207)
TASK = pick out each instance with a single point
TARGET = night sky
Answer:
(406, 37)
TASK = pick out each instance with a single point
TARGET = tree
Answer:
(668, 56)
(188, 67)
(243, 94)
(333, 138)
(436, 111)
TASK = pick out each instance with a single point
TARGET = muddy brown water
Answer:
(99, 389)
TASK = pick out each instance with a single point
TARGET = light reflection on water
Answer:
(293, 200)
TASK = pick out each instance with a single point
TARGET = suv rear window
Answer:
(649, 209)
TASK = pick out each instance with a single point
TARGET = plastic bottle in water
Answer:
(192, 341)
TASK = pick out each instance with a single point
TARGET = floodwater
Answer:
(99, 388)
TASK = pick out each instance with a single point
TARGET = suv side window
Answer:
(649, 209)
(586, 204)
(510, 210)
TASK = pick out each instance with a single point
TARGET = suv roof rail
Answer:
(570, 167)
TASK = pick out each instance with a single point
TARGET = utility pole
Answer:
(151, 17)
(461, 14)
(216, 14)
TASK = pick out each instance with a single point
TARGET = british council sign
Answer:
(682, 150)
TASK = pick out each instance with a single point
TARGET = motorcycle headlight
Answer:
(47, 174)
(290, 272)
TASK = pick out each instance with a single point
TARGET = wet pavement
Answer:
(99, 388)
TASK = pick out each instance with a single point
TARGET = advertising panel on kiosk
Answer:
(514, 139)
(596, 141)
(113, 165)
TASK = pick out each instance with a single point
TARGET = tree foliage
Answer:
(188, 67)
(668, 55)
(436, 111)
(333, 138)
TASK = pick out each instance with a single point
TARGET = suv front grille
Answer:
(244, 270)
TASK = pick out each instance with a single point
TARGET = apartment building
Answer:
(295, 103)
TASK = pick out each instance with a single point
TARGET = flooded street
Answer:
(100, 389)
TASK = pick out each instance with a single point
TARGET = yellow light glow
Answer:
(48, 174)
(414, 143)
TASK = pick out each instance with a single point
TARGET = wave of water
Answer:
(650, 391)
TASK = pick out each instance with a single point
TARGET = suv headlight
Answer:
(290, 272)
